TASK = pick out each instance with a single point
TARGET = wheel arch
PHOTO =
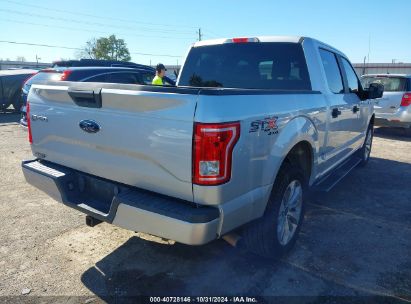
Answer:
(298, 141)
(302, 154)
(372, 119)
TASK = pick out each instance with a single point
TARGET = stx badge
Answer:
(268, 125)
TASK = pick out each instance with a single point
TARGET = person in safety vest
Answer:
(160, 72)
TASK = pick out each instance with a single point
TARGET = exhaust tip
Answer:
(233, 239)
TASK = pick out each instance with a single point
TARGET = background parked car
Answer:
(394, 108)
(98, 63)
(10, 86)
(125, 75)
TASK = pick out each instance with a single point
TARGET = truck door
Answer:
(359, 109)
(341, 118)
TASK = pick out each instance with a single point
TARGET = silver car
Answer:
(394, 108)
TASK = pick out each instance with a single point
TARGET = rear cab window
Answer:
(390, 83)
(255, 65)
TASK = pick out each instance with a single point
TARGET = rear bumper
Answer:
(124, 206)
(383, 122)
(401, 118)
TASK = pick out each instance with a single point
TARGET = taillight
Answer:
(65, 75)
(406, 99)
(212, 152)
(28, 121)
(242, 40)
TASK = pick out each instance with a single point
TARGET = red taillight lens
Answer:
(406, 99)
(240, 40)
(213, 146)
(65, 75)
(28, 121)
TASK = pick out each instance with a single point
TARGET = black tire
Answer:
(365, 151)
(261, 236)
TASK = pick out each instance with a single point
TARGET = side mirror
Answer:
(375, 90)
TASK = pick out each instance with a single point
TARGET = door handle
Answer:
(355, 109)
(335, 113)
(89, 99)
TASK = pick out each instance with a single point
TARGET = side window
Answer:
(352, 78)
(128, 78)
(98, 78)
(147, 78)
(332, 71)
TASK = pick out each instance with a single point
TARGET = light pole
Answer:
(37, 61)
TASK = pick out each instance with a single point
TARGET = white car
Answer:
(394, 108)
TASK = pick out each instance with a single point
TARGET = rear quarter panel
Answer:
(258, 155)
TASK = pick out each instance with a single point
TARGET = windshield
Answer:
(391, 84)
(280, 66)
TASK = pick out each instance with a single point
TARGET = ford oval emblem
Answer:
(89, 126)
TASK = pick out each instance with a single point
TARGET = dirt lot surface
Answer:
(356, 241)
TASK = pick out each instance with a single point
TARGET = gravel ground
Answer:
(356, 241)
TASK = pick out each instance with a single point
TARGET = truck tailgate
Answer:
(140, 136)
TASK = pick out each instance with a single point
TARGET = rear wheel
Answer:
(365, 151)
(276, 232)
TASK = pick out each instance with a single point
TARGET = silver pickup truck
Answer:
(253, 126)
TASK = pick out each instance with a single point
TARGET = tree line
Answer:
(106, 48)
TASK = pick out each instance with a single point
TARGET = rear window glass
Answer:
(391, 84)
(44, 76)
(278, 66)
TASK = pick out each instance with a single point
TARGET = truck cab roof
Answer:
(291, 39)
(286, 39)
